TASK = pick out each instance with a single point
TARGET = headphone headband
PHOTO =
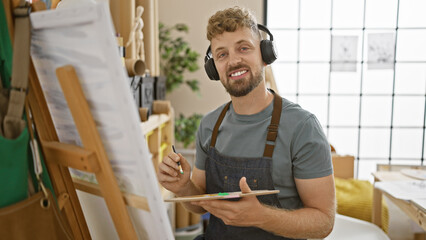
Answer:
(265, 29)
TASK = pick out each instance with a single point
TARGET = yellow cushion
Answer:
(355, 199)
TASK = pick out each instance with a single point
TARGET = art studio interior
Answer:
(92, 128)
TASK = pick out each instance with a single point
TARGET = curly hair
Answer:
(229, 20)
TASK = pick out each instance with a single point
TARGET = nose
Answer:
(234, 59)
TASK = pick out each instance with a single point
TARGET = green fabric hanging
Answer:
(16, 159)
(13, 152)
(14, 169)
(16, 162)
(5, 49)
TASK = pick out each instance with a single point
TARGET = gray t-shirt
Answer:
(301, 149)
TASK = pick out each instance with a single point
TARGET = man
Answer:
(258, 141)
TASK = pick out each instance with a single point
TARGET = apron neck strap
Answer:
(218, 122)
(272, 128)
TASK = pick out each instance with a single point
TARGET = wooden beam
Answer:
(123, 14)
(151, 35)
(69, 155)
(130, 199)
(60, 175)
(416, 214)
(63, 199)
(91, 140)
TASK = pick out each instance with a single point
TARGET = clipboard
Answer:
(225, 195)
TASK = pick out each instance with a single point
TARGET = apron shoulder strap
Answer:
(218, 122)
(13, 123)
(273, 126)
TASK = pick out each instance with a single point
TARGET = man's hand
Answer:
(245, 212)
(169, 175)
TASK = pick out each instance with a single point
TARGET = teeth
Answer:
(236, 74)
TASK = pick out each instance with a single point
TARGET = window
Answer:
(360, 67)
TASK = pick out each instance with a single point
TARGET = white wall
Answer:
(195, 13)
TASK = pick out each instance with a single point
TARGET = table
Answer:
(414, 212)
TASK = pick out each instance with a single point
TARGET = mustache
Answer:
(236, 67)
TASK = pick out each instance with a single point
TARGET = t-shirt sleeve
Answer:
(311, 150)
(200, 150)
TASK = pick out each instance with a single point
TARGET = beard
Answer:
(242, 87)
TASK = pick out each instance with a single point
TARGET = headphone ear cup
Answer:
(210, 68)
(269, 54)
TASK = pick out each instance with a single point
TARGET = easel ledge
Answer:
(67, 154)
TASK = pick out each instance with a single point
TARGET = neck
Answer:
(257, 100)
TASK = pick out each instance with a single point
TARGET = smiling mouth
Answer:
(238, 73)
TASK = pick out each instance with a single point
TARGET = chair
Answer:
(349, 228)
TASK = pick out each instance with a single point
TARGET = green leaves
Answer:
(193, 84)
(186, 128)
(177, 57)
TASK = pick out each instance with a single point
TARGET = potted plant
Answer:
(177, 58)
(186, 128)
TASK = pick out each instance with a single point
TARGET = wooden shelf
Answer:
(154, 121)
(159, 134)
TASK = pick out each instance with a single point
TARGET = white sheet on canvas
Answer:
(84, 37)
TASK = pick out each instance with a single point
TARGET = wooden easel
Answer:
(92, 158)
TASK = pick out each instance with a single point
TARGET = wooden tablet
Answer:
(225, 195)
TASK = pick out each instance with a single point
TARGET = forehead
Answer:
(230, 39)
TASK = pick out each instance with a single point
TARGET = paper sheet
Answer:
(405, 190)
(344, 53)
(420, 203)
(84, 38)
(381, 50)
(414, 173)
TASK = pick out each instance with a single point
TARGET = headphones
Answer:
(267, 49)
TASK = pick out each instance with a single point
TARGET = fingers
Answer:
(186, 167)
(169, 166)
(219, 208)
(244, 186)
(165, 169)
(216, 204)
(165, 177)
(172, 159)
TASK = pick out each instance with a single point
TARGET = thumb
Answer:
(185, 164)
(244, 186)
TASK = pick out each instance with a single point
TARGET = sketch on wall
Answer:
(344, 50)
(381, 50)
